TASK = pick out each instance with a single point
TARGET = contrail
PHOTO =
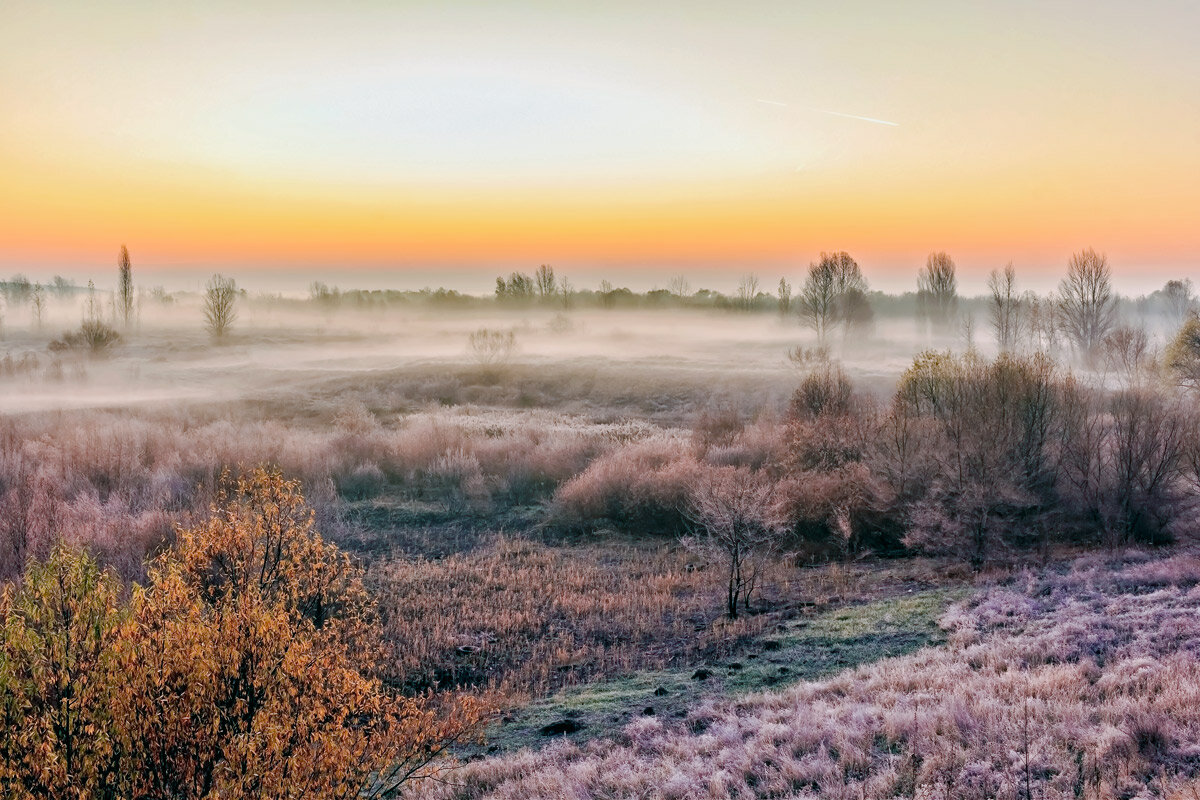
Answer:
(832, 113)
(856, 116)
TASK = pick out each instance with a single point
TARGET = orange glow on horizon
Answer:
(391, 135)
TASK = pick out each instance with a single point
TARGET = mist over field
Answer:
(616, 517)
(772, 400)
(293, 338)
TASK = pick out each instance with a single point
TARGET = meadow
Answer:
(672, 545)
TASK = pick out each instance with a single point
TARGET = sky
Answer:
(340, 138)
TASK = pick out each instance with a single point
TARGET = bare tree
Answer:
(545, 281)
(1087, 307)
(220, 294)
(1147, 456)
(729, 509)
(125, 295)
(492, 348)
(1126, 352)
(1042, 326)
(1179, 300)
(853, 310)
(819, 298)
(835, 292)
(785, 297)
(747, 291)
(1005, 307)
(91, 308)
(847, 274)
(679, 287)
(38, 304)
(937, 291)
(567, 291)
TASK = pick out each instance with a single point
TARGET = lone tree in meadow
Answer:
(125, 286)
(818, 299)
(1086, 304)
(729, 511)
(220, 296)
(835, 292)
(937, 291)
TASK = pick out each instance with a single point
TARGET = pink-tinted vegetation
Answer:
(524, 618)
(1076, 683)
(117, 482)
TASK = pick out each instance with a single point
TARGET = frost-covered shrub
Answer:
(641, 488)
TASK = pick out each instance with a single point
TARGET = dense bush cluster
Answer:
(970, 456)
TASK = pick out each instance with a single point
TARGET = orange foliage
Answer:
(247, 667)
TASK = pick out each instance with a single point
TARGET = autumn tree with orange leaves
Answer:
(248, 666)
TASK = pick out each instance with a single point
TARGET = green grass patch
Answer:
(817, 646)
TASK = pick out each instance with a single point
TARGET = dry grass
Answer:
(523, 617)
(1075, 684)
(526, 618)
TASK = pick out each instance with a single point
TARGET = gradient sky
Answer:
(731, 135)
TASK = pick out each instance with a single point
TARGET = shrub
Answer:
(641, 488)
(363, 482)
(492, 348)
(94, 336)
(730, 510)
(823, 391)
(831, 513)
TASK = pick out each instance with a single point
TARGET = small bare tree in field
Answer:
(729, 508)
(1005, 307)
(679, 287)
(1086, 304)
(785, 297)
(492, 348)
(38, 304)
(220, 296)
(937, 291)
